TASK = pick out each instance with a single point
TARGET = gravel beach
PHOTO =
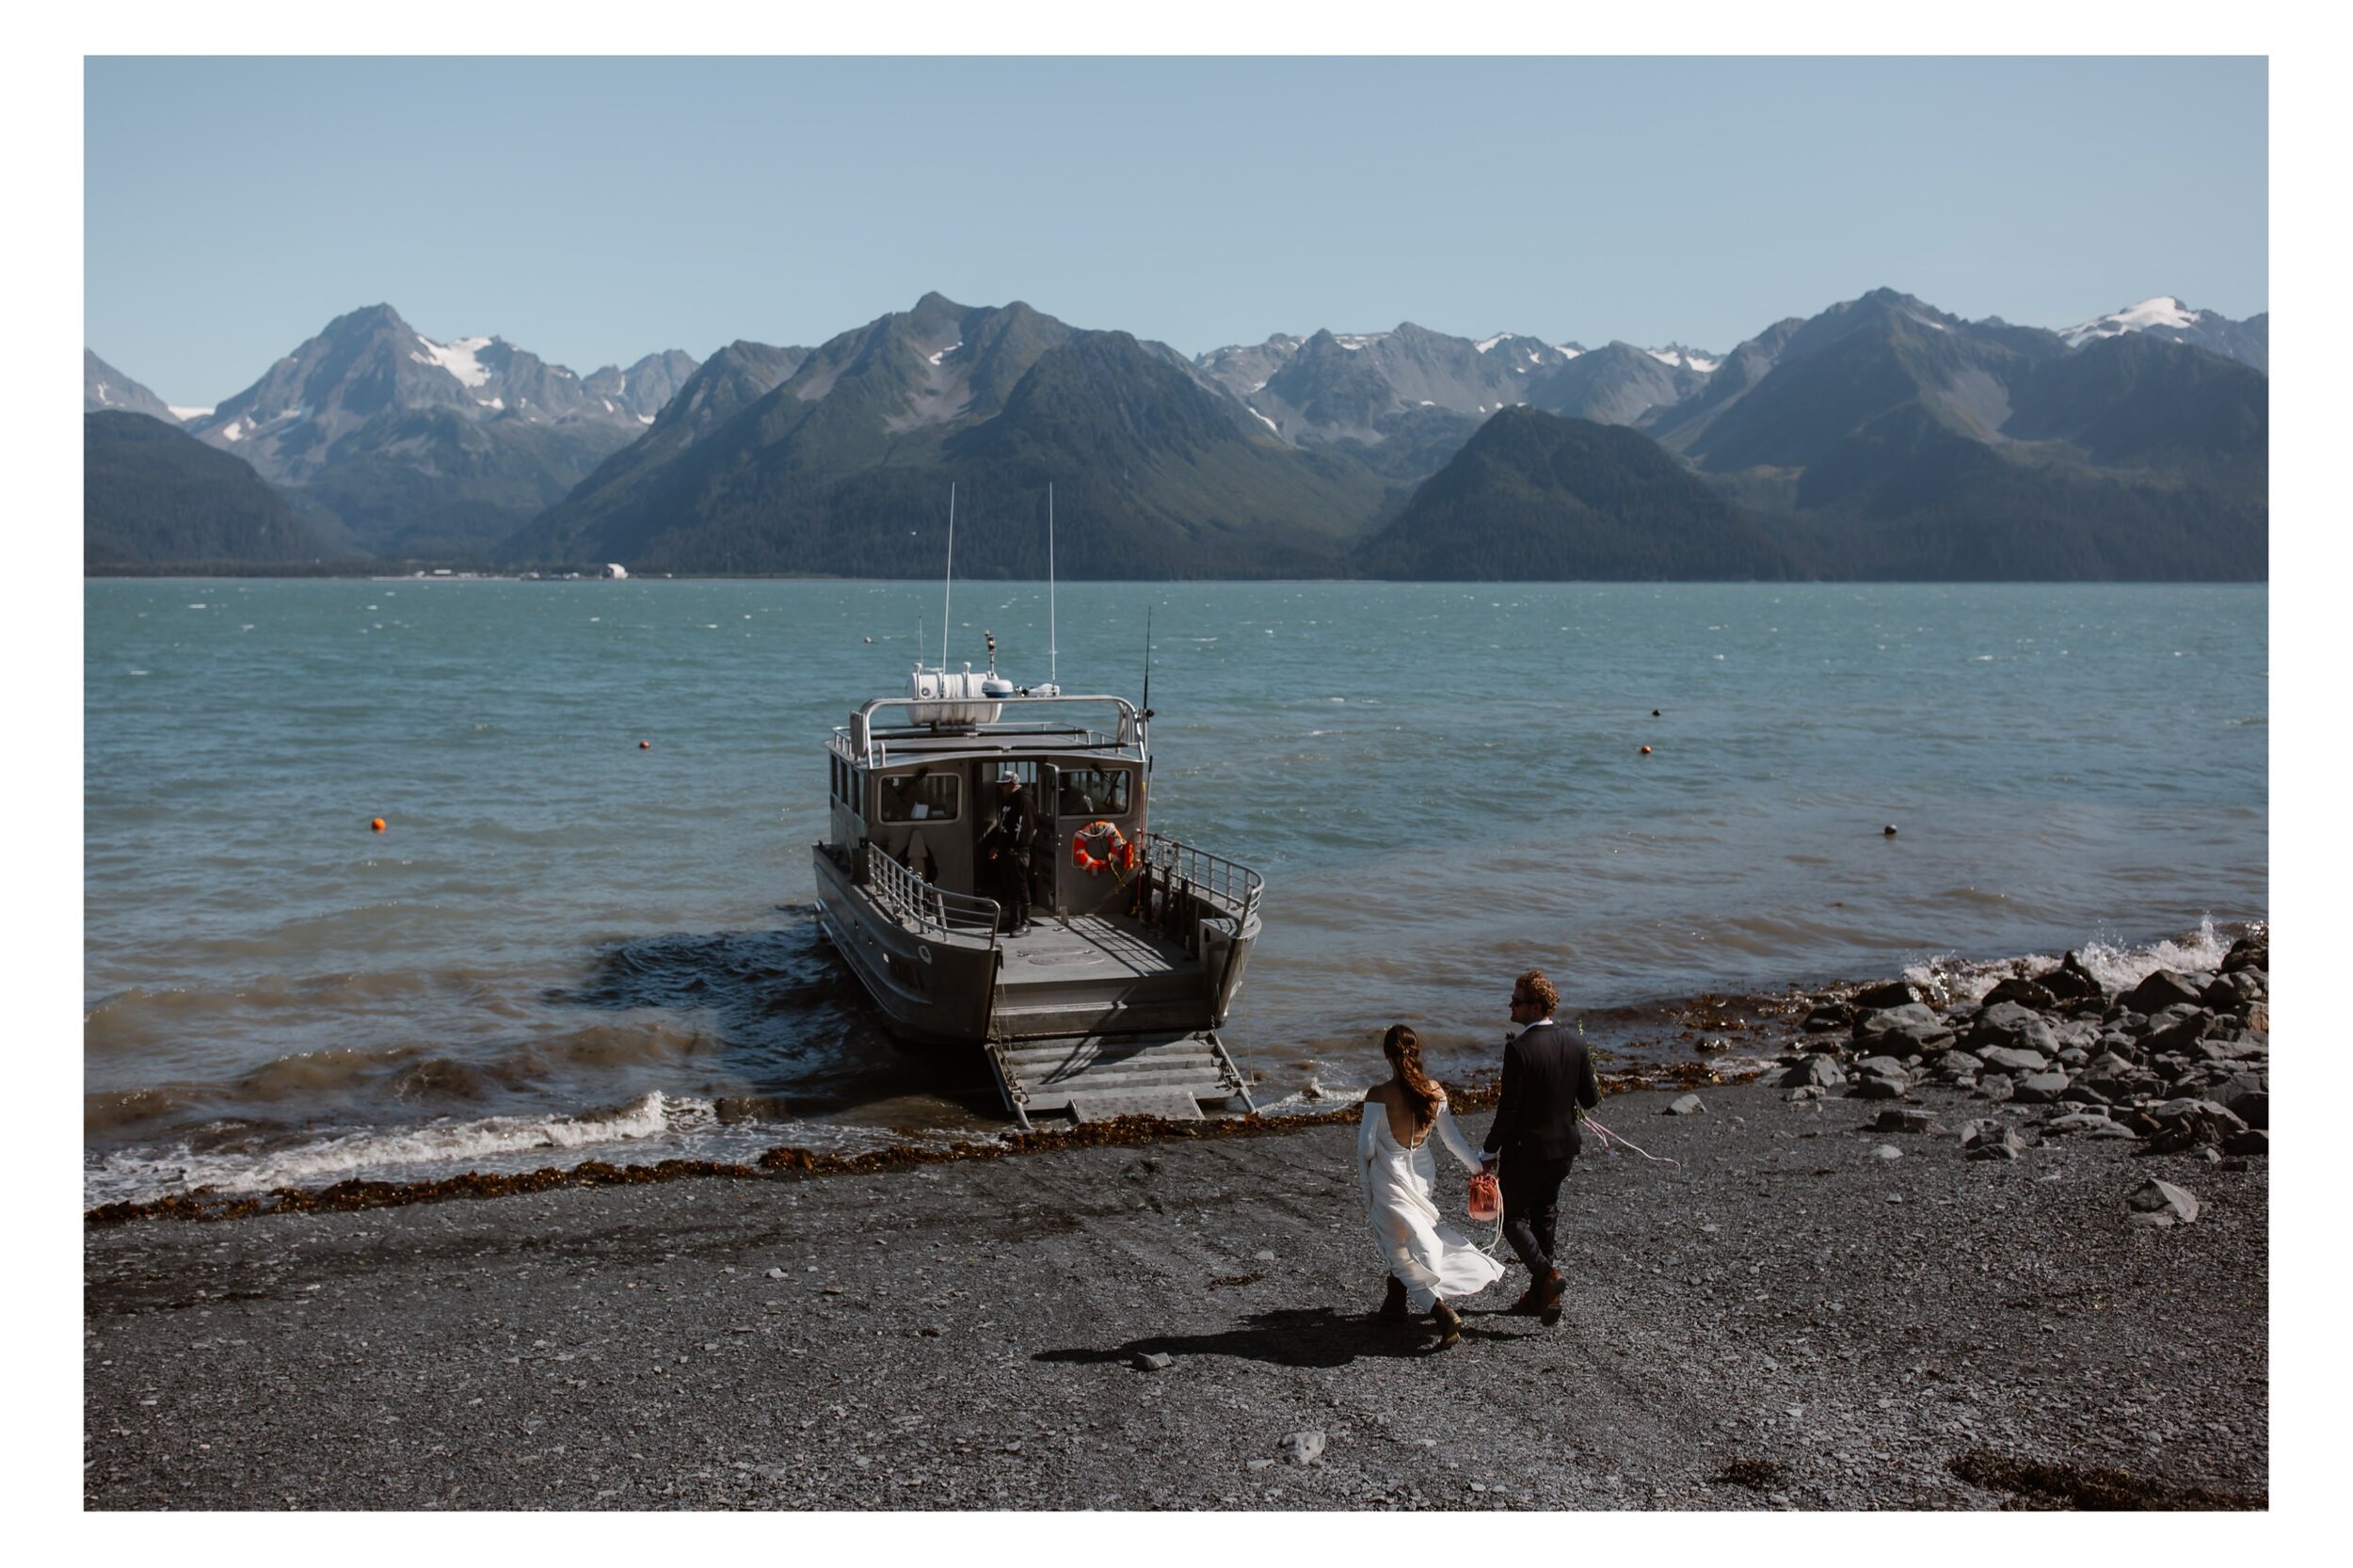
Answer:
(1810, 1310)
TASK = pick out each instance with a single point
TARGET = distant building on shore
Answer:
(617, 571)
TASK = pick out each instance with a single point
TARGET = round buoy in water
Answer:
(1888, 832)
(1653, 712)
(645, 745)
(375, 824)
(1646, 751)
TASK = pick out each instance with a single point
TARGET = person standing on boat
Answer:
(1546, 1076)
(1005, 846)
(1428, 1259)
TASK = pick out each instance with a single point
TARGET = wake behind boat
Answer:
(1106, 1000)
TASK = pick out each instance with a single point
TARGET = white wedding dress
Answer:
(1428, 1257)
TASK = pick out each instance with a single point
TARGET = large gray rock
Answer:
(1894, 993)
(2081, 1121)
(2163, 988)
(1880, 1088)
(1995, 1086)
(1902, 1119)
(1987, 1139)
(2012, 1059)
(2187, 1122)
(2163, 1203)
(1882, 1066)
(2177, 1028)
(2006, 1023)
(2253, 1141)
(2038, 1088)
(2073, 981)
(1816, 1072)
(2233, 988)
(1685, 1105)
(2250, 952)
(1910, 1029)
(2032, 995)
(1303, 1448)
(2250, 1103)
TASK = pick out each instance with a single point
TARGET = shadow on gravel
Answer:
(2034, 1485)
(1291, 1336)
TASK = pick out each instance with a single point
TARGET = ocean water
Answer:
(566, 945)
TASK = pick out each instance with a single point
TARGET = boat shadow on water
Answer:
(795, 1033)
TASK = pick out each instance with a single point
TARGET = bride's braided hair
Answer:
(1402, 1045)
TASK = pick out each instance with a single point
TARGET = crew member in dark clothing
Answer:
(1005, 854)
(1546, 1076)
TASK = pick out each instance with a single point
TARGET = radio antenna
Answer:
(1053, 660)
(947, 594)
(1147, 660)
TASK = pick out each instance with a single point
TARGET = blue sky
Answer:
(595, 210)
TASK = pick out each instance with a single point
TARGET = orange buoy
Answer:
(376, 825)
(645, 745)
(1646, 751)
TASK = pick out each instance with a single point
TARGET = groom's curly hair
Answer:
(1542, 992)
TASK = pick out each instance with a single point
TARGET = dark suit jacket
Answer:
(1547, 1076)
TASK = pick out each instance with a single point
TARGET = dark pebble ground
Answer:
(1789, 1318)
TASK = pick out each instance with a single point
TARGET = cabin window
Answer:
(836, 771)
(920, 797)
(1094, 792)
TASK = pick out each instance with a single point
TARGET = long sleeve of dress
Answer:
(1456, 1143)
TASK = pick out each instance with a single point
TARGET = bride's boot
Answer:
(1449, 1324)
(1393, 1305)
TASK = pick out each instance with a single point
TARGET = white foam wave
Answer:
(653, 1127)
(2117, 968)
(440, 1144)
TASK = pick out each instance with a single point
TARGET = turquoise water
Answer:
(563, 942)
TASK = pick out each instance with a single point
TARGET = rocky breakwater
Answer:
(2178, 1062)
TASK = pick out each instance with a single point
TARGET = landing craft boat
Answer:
(1109, 1001)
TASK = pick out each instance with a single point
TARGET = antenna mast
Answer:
(1053, 660)
(947, 594)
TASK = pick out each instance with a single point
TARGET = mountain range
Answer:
(1878, 437)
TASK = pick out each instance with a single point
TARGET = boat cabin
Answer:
(922, 793)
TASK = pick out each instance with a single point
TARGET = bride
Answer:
(1429, 1259)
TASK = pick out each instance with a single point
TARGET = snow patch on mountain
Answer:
(2162, 311)
(457, 357)
(184, 415)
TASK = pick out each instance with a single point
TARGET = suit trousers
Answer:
(1532, 1208)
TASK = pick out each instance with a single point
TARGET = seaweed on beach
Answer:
(1123, 1131)
(2034, 1485)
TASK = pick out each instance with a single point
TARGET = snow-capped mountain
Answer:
(1366, 387)
(105, 387)
(2164, 316)
(414, 443)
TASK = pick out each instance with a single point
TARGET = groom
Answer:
(1547, 1076)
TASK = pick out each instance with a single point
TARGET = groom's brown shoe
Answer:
(1552, 1285)
(1531, 1303)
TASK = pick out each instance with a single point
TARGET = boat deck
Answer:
(1056, 951)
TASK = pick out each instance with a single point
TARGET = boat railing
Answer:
(1228, 885)
(929, 910)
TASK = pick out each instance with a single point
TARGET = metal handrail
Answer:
(1231, 886)
(926, 908)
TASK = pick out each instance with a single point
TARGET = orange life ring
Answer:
(1120, 852)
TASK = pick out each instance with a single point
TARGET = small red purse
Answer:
(1486, 1198)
